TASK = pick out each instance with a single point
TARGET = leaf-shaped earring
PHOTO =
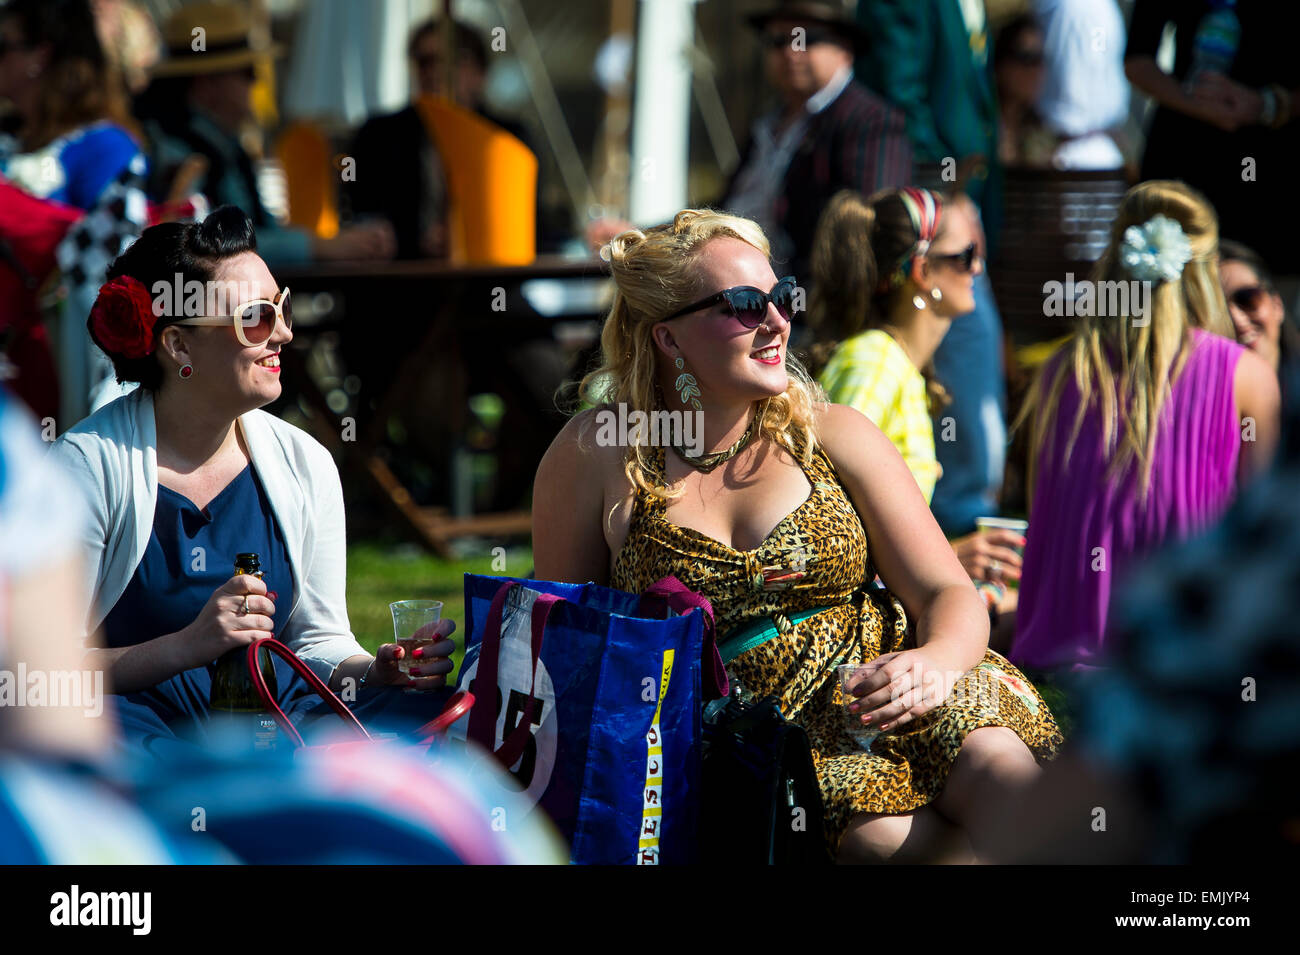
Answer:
(687, 387)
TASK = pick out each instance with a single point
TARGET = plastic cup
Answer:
(983, 524)
(409, 616)
(850, 675)
(1014, 525)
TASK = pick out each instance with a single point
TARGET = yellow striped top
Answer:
(872, 373)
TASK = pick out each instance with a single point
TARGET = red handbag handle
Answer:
(304, 671)
(482, 721)
(456, 707)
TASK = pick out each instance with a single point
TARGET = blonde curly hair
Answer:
(654, 272)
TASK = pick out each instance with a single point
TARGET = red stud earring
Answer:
(186, 370)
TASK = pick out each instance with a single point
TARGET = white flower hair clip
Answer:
(1155, 251)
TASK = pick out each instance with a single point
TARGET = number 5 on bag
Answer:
(590, 697)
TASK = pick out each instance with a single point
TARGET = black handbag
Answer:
(761, 803)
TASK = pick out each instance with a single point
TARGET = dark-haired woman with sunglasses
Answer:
(1256, 308)
(185, 472)
(890, 276)
(1023, 139)
(782, 513)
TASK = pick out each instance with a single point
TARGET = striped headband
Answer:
(923, 208)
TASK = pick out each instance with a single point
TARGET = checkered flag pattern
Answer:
(111, 225)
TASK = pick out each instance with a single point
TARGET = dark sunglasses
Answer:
(429, 61)
(1249, 299)
(749, 304)
(1027, 57)
(962, 261)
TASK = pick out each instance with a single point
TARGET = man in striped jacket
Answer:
(829, 133)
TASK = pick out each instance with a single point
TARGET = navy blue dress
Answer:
(191, 553)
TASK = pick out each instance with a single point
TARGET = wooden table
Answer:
(428, 330)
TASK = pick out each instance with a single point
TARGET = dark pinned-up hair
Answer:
(194, 250)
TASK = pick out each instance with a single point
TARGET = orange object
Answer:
(312, 178)
(491, 186)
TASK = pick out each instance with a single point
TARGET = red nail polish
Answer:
(273, 595)
(414, 671)
(419, 652)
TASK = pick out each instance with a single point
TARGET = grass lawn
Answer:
(380, 572)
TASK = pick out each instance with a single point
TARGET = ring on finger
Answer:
(995, 568)
(243, 608)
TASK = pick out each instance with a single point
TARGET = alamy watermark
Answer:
(619, 427)
(1086, 298)
(74, 907)
(66, 689)
(176, 297)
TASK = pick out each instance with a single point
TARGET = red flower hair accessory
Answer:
(122, 319)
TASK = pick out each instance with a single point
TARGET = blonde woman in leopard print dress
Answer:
(783, 516)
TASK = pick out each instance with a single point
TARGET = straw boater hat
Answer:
(226, 40)
(827, 14)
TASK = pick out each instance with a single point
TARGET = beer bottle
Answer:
(233, 695)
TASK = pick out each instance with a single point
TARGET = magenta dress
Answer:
(1086, 533)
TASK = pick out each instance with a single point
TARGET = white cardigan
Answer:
(112, 457)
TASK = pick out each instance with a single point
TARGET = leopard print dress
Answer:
(818, 556)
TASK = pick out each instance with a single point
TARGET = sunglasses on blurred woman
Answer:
(1027, 57)
(254, 321)
(1249, 299)
(962, 261)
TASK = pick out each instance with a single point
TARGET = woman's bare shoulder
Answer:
(586, 462)
(578, 478)
(582, 443)
(843, 431)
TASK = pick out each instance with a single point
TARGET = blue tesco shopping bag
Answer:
(591, 698)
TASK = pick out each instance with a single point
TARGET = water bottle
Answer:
(1217, 38)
